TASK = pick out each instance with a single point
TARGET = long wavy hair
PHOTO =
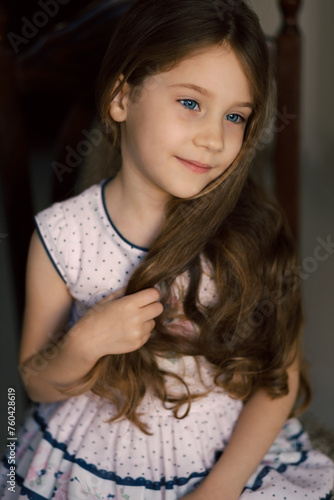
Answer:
(251, 333)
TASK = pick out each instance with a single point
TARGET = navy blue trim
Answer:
(143, 249)
(141, 482)
(47, 250)
(31, 495)
(35, 496)
(280, 469)
(111, 476)
(297, 435)
(19, 481)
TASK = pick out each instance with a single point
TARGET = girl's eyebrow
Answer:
(207, 93)
(200, 90)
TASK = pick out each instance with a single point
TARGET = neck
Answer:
(137, 211)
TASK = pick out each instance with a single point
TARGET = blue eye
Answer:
(235, 118)
(190, 104)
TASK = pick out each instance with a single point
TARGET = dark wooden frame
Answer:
(38, 67)
(287, 154)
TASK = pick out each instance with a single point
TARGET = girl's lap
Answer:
(70, 450)
(72, 445)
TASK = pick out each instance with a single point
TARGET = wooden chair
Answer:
(287, 152)
(59, 65)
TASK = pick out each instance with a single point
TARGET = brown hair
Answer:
(251, 333)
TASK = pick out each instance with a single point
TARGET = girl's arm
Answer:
(259, 424)
(50, 359)
(48, 304)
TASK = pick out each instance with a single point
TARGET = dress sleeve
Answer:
(53, 230)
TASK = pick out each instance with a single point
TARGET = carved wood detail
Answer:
(287, 158)
(290, 10)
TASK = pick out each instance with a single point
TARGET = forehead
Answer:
(216, 69)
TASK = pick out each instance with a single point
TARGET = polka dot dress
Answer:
(68, 450)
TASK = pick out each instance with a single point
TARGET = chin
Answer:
(185, 192)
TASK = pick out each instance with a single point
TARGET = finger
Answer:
(146, 297)
(151, 311)
(115, 295)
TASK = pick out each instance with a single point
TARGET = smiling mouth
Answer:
(195, 166)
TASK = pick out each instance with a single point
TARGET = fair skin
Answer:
(170, 123)
(183, 132)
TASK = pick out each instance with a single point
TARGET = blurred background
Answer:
(317, 189)
(317, 206)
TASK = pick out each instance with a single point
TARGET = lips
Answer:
(195, 166)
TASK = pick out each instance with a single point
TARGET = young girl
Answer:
(176, 279)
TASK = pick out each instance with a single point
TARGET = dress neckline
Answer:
(103, 186)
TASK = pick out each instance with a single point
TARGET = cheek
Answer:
(165, 136)
(235, 140)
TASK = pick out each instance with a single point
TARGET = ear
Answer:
(118, 106)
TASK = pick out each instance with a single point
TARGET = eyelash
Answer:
(183, 101)
(240, 119)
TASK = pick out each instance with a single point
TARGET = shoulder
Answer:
(61, 226)
(89, 200)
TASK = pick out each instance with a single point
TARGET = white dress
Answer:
(68, 450)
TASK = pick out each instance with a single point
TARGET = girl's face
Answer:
(187, 124)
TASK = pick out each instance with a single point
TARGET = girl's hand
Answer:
(117, 324)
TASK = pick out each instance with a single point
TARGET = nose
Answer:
(210, 135)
